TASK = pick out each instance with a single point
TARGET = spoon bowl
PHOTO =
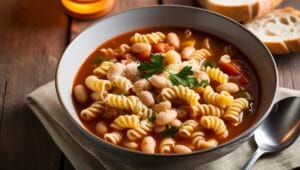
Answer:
(279, 130)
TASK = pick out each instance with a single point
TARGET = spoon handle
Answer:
(253, 159)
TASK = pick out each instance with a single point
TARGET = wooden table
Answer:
(33, 36)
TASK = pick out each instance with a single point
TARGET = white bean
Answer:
(159, 129)
(201, 75)
(141, 85)
(146, 97)
(182, 149)
(80, 93)
(162, 106)
(229, 87)
(172, 57)
(131, 145)
(225, 59)
(186, 52)
(166, 117)
(160, 81)
(97, 95)
(175, 122)
(173, 39)
(101, 128)
(148, 144)
(141, 48)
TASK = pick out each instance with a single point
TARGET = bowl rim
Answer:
(245, 135)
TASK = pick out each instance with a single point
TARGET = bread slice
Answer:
(241, 10)
(279, 30)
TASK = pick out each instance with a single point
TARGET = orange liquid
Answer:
(87, 9)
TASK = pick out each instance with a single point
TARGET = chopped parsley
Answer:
(152, 118)
(155, 66)
(98, 60)
(243, 94)
(209, 63)
(185, 77)
(170, 131)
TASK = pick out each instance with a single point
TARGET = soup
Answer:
(166, 90)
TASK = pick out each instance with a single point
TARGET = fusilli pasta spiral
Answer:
(140, 132)
(151, 38)
(139, 108)
(92, 111)
(108, 52)
(233, 112)
(123, 84)
(131, 103)
(166, 145)
(216, 124)
(221, 100)
(186, 129)
(181, 92)
(98, 85)
(126, 121)
(101, 70)
(206, 109)
(123, 48)
(199, 141)
(200, 54)
(216, 74)
(113, 137)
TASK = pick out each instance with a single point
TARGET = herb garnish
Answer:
(243, 94)
(155, 66)
(152, 118)
(170, 131)
(185, 77)
(209, 63)
(98, 60)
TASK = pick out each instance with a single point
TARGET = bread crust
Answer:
(239, 13)
(283, 42)
(244, 12)
(277, 47)
(265, 6)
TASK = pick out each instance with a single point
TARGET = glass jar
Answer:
(87, 9)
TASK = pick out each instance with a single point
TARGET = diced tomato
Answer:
(230, 69)
(144, 56)
(162, 47)
(124, 56)
(244, 80)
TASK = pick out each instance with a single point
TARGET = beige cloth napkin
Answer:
(45, 105)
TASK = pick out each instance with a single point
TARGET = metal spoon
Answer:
(278, 131)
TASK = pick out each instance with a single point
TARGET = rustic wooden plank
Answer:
(3, 86)
(295, 57)
(180, 2)
(288, 65)
(67, 165)
(32, 38)
(284, 71)
(295, 70)
(77, 26)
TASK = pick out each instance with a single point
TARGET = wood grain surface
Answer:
(33, 35)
